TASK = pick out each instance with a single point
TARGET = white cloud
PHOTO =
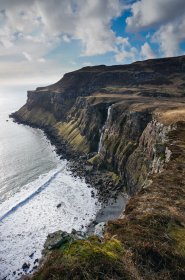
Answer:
(126, 55)
(27, 56)
(125, 52)
(147, 13)
(170, 36)
(33, 28)
(147, 52)
(66, 38)
(85, 20)
(93, 25)
(41, 59)
(168, 16)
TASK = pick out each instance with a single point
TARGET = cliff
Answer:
(129, 120)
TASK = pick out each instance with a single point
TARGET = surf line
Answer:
(23, 202)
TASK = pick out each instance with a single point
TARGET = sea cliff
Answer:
(127, 121)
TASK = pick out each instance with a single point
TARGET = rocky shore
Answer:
(122, 129)
(110, 194)
(107, 186)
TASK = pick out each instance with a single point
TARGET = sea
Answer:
(33, 182)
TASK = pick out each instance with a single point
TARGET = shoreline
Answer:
(113, 201)
(99, 179)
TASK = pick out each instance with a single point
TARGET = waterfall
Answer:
(104, 128)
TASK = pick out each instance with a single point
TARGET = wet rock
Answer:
(59, 205)
(83, 157)
(88, 168)
(90, 155)
(25, 266)
(31, 256)
(99, 229)
(92, 194)
(64, 238)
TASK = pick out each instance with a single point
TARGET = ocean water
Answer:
(33, 181)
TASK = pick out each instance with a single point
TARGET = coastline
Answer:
(146, 147)
(100, 179)
(112, 199)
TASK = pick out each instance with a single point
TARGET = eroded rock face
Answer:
(152, 78)
(111, 111)
(141, 132)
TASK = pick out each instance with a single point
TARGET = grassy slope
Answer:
(147, 243)
(67, 131)
(153, 229)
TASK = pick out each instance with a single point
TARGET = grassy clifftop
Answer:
(147, 242)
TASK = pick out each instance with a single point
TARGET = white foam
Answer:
(28, 217)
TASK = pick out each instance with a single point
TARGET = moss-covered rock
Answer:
(86, 259)
(71, 133)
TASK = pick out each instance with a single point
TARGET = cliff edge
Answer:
(130, 121)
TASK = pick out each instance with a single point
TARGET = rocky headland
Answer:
(122, 128)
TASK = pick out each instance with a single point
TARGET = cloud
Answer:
(22, 72)
(146, 13)
(124, 55)
(32, 29)
(66, 38)
(93, 26)
(37, 33)
(41, 59)
(170, 36)
(167, 16)
(27, 56)
(147, 52)
(85, 20)
(125, 51)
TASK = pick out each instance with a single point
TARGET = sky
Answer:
(40, 40)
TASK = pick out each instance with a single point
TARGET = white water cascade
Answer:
(104, 128)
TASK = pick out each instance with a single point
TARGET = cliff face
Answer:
(162, 77)
(111, 111)
(129, 120)
(147, 241)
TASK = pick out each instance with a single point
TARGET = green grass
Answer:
(90, 259)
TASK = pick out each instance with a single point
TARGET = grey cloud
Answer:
(147, 13)
(85, 20)
(167, 16)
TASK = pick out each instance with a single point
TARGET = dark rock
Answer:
(92, 194)
(31, 256)
(59, 205)
(90, 155)
(65, 238)
(25, 266)
(88, 168)
(83, 157)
